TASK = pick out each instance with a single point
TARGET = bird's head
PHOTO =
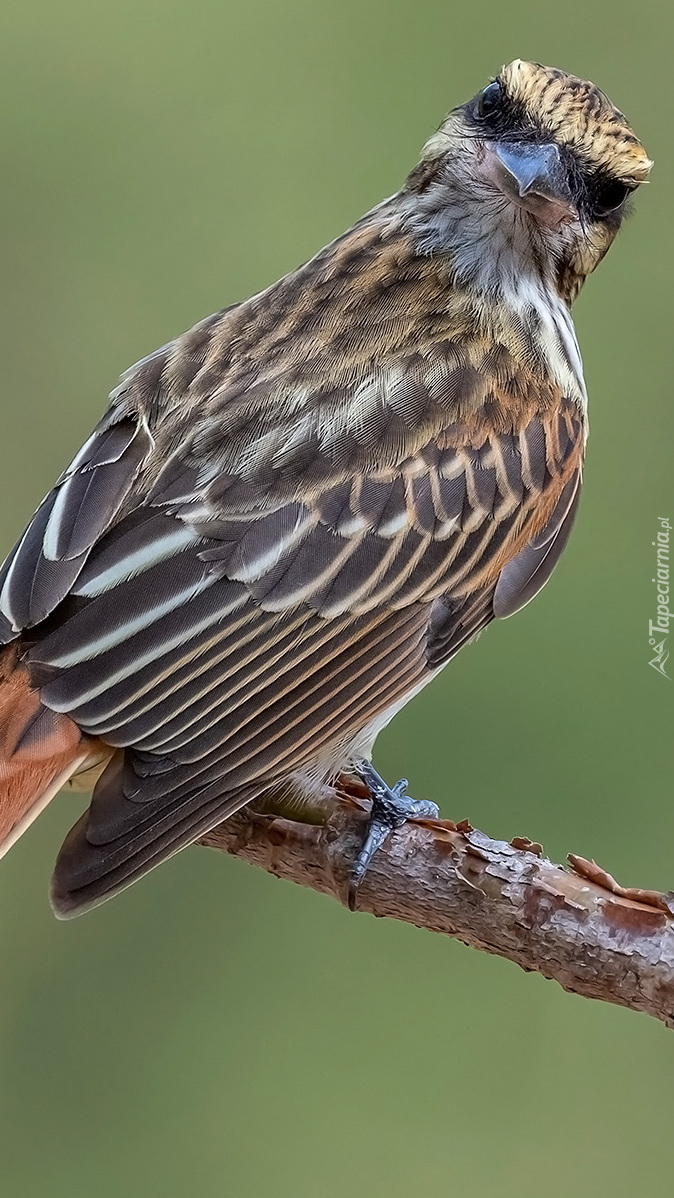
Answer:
(541, 158)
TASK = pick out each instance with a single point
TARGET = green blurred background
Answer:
(214, 1031)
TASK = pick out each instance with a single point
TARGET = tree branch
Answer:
(574, 925)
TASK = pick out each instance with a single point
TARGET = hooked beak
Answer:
(533, 177)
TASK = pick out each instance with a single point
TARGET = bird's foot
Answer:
(391, 808)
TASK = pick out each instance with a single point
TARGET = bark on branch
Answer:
(574, 925)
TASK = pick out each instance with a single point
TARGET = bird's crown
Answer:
(576, 114)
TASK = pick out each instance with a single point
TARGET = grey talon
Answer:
(391, 808)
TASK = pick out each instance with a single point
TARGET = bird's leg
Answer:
(309, 804)
(391, 808)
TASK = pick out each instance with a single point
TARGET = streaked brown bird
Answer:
(292, 516)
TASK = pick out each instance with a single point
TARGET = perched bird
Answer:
(292, 516)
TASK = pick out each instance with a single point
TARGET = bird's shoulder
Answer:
(358, 359)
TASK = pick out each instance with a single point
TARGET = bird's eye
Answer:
(489, 100)
(610, 196)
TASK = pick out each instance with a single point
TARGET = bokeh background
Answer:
(214, 1031)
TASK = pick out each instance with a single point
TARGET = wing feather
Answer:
(527, 573)
(169, 636)
(54, 548)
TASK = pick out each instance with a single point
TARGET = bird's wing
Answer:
(238, 598)
(229, 640)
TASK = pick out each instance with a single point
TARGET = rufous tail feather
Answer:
(39, 750)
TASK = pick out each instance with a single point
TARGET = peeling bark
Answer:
(575, 925)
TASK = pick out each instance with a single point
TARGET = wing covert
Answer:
(187, 618)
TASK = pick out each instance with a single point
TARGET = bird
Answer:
(291, 517)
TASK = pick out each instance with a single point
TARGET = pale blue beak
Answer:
(534, 176)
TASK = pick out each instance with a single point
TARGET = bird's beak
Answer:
(534, 177)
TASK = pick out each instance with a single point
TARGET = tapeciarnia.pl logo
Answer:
(658, 629)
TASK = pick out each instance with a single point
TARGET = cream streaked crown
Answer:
(579, 115)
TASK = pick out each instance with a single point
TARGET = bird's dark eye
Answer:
(489, 100)
(610, 196)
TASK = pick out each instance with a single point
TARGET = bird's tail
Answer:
(39, 750)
